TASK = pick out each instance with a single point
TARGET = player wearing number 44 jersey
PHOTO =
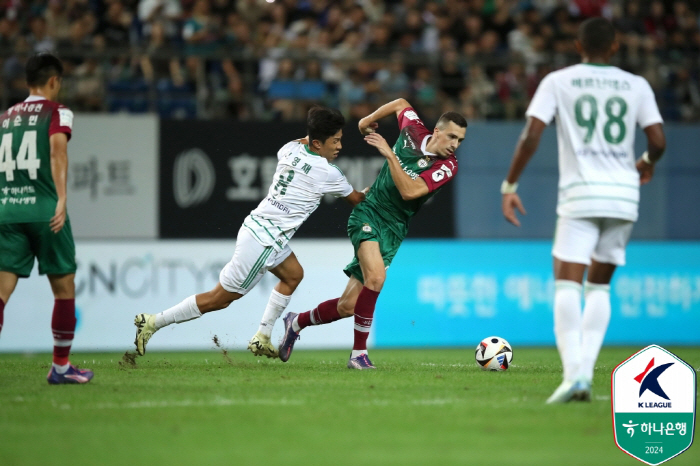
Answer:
(304, 175)
(33, 217)
(597, 107)
(420, 164)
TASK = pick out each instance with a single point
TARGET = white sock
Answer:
(357, 352)
(275, 307)
(295, 325)
(567, 326)
(596, 317)
(60, 369)
(182, 312)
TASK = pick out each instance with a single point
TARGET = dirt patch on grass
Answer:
(128, 361)
(224, 351)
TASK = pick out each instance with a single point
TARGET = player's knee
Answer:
(375, 282)
(295, 278)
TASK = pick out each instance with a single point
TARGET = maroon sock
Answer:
(364, 312)
(325, 313)
(63, 327)
(2, 309)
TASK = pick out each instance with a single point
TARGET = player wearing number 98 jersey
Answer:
(34, 221)
(596, 107)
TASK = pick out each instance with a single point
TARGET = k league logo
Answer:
(651, 382)
(653, 404)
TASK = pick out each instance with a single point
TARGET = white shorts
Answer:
(249, 263)
(579, 240)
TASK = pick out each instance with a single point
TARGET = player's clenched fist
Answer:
(367, 126)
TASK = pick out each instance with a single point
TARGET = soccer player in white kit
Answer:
(596, 107)
(304, 175)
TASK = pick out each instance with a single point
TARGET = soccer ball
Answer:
(494, 354)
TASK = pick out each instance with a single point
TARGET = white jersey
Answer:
(300, 181)
(597, 108)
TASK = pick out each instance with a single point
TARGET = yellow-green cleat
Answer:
(260, 345)
(145, 328)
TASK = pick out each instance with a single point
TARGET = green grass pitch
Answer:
(421, 407)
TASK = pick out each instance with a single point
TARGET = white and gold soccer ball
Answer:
(494, 354)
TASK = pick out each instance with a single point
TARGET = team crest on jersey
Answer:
(366, 228)
(422, 163)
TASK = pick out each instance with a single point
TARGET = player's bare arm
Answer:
(656, 145)
(356, 197)
(524, 150)
(59, 172)
(407, 186)
(369, 123)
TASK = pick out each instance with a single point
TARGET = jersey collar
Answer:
(309, 151)
(424, 144)
(34, 98)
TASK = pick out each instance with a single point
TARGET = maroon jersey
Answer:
(27, 190)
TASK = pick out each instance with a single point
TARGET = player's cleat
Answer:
(361, 362)
(582, 390)
(564, 393)
(72, 375)
(260, 345)
(145, 328)
(290, 337)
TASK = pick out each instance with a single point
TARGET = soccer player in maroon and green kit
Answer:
(34, 222)
(421, 162)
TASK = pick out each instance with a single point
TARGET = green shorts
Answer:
(363, 225)
(20, 243)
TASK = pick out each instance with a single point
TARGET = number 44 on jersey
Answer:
(26, 156)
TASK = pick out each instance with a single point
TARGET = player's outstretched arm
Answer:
(407, 186)
(356, 197)
(59, 171)
(369, 123)
(524, 150)
(656, 145)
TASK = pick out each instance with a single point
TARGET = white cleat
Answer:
(145, 328)
(260, 345)
(564, 393)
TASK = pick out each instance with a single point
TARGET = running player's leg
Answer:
(374, 273)
(239, 275)
(574, 242)
(290, 273)
(608, 254)
(331, 310)
(8, 282)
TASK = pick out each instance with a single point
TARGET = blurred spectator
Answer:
(451, 76)
(157, 63)
(89, 86)
(393, 80)
(57, 20)
(165, 12)
(38, 39)
(115, 26)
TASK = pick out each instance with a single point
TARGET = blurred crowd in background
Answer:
(270, 60)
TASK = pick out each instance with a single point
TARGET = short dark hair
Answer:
(40, 67)
(596, 35)
(454, 117)
(323, 122)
